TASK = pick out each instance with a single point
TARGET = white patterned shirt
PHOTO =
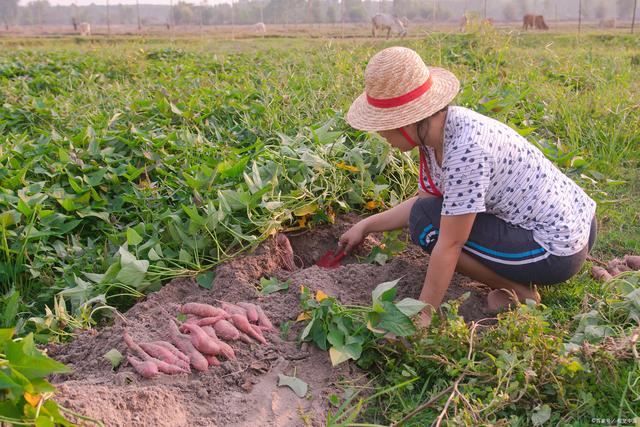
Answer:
(488, 167)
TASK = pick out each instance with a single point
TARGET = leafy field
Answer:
(124, 164)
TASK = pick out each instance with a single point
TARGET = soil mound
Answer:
(243, 392)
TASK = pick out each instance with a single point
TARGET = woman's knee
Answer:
(424, 221)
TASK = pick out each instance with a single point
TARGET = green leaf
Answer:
(305, 332)
(298, 386)
(541, 415)
(394, 321)
(205, 279)
(113, 356)
(410, 306)
(27, 360)
(269, 286)
(133, 238)
(132, 271)
(385, 291)
(5, 335)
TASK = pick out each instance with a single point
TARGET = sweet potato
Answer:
(212, 360)
(284, 251)
(244, 337)
(147, 369)
(225, 349)
(165, 355)
(600, 274)
(242, 323)
(183, 342)
(180, 355)
(133, 346)
(210, 320)
(232, 308)
(201, 340)
(201, 310)
(252, 313)
(226, 330)
(632, 261)
(263, 320)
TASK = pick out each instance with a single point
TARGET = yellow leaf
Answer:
(321, 295)
(306, 210)
(301, 288)
(372, 205)
(343, 165)
(302, 222)
(303, 316)
(32, 399)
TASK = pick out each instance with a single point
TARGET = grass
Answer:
(124, 163)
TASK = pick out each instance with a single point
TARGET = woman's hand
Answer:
(353, 237)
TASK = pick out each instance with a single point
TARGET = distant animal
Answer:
(260, 27)
(384, 21)
(85, 29)
(607, 23)
(528, 21)
(540, 24)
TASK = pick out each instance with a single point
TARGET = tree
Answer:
(183, 13)
(9, 12)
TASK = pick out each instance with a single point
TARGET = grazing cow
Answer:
(540, 24)
(384, 21)
(260, 28)
(85, 29)
(528, 21)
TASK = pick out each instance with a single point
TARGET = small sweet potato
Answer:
(133, 346)
(180, 355)
(147, 369)
(600, 274)
(164, 355)
(212, 360)
(232, 308)
(225, 349)
(226, 330)
(210, 320)
(201, 310)
(632, 261)
(242, 323)
(183, 342)
(263, 320)
(252, 313)
(201, 340)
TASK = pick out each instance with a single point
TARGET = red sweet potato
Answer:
(242, 323)
(210, 320)
(165, 355)
(632, 261)
(133, 346)
(600, 274)
(232, 308)
(173, 350)
(226, 330)
(225, 349)
(252, 313)
(212, 360)
(263, 320)
(201, 340)
(201, 310)
(147, 369)
(183, 342)
(244, 337)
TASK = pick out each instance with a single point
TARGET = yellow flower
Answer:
(343, 165)
(321, 295)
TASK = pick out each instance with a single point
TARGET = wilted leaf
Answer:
(385, 291)
(113, 356)
(298, 386)
(541, 415)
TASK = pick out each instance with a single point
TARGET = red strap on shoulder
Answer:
(423, 167)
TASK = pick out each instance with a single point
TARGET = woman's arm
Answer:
(396, 217)
(454, 232)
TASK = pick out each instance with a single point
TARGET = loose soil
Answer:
(242, 392)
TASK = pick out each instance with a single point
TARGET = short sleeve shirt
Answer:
(488, 167)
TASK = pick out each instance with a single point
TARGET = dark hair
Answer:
(426, 121)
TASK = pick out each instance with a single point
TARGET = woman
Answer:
(489, 204)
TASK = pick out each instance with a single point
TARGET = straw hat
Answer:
(399, 90)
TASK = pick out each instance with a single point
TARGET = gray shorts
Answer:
(508, 250)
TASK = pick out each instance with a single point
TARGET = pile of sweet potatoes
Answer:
(201, 339)
(614, 267)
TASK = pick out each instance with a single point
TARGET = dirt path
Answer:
(242, 392)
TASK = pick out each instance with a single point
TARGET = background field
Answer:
(175, 148)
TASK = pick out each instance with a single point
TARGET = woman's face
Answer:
(397, 140)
